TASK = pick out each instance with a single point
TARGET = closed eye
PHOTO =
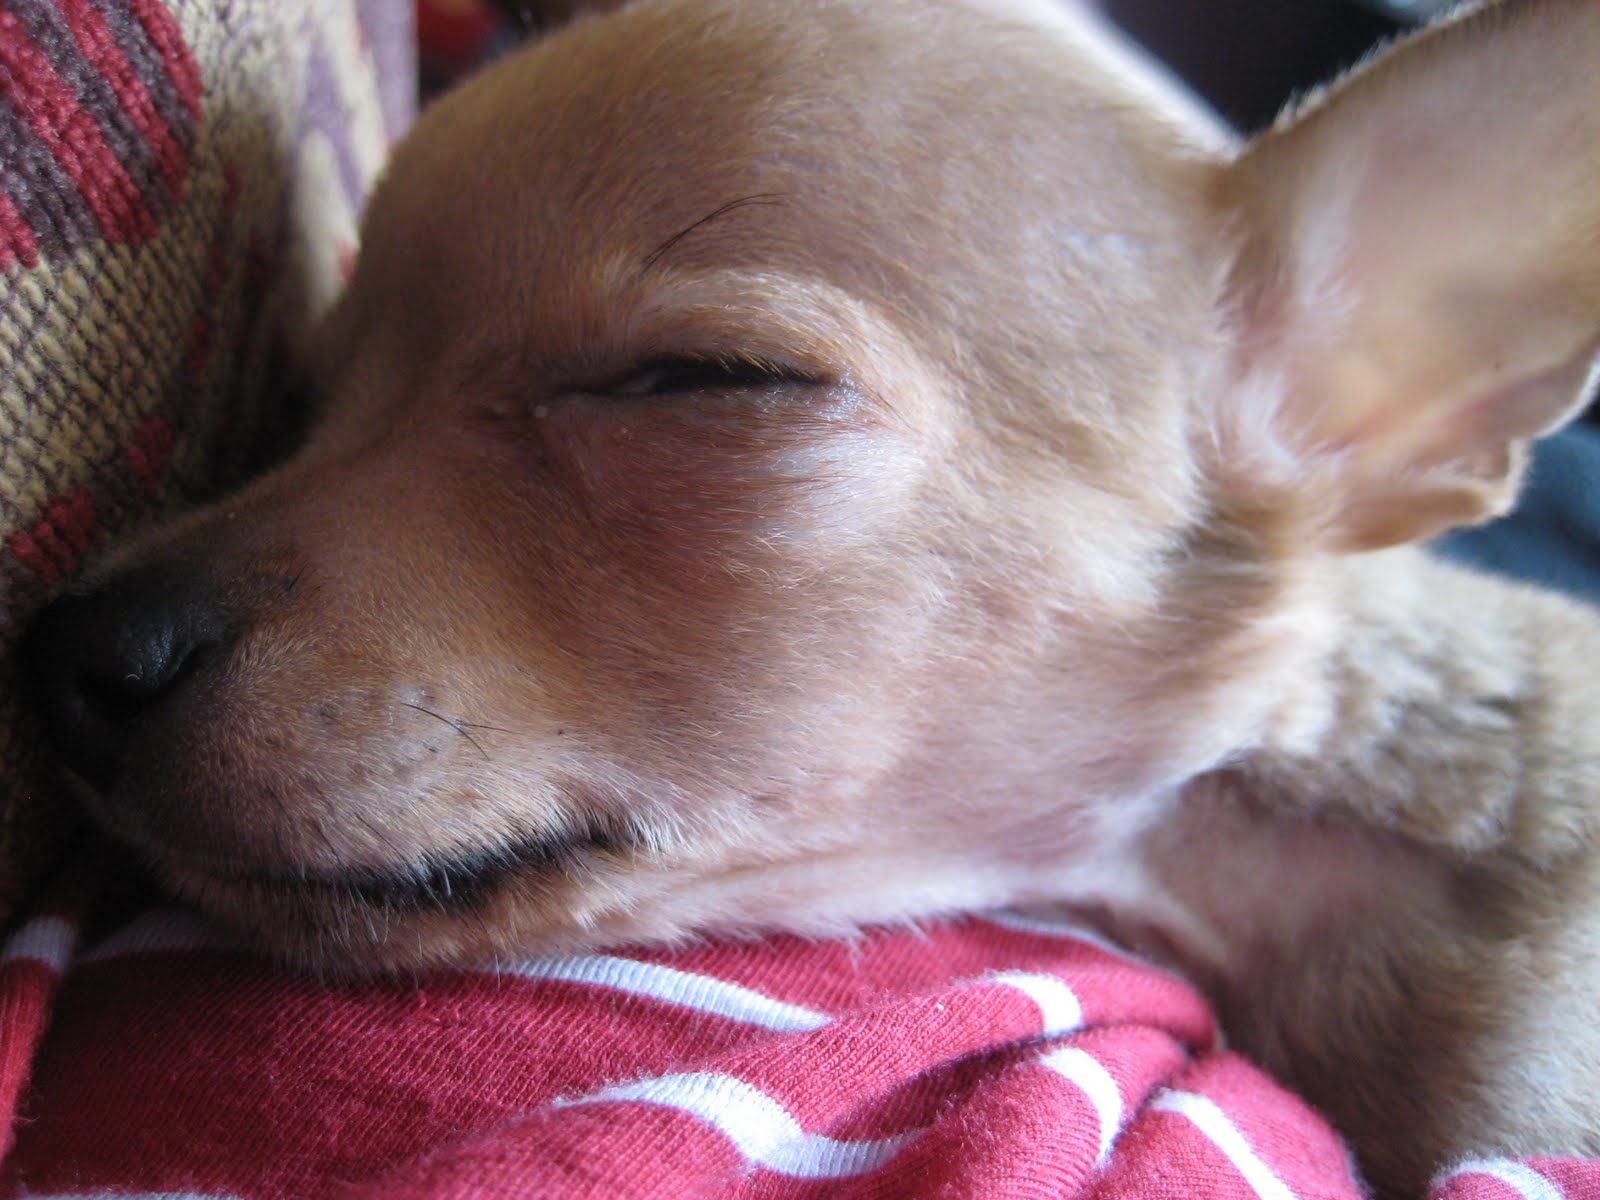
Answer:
(678, 376)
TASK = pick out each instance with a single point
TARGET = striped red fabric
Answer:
(984, 1058)
(32, 963)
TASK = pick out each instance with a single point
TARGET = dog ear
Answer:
(1419, 284)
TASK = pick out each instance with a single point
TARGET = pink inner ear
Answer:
(1473, 430)
(1425, 247)
(1406, 420)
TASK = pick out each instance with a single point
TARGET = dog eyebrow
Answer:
(767, 199)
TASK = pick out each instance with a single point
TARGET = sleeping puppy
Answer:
(795, 467)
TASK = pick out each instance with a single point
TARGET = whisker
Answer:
(333, 851)
(457, 726)
(377, 832)
(765, 199)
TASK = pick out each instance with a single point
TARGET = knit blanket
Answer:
(179, 187)
(999, 1056)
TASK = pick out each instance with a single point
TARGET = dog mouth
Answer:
(449, 908)
(442, 883)
(303, 910)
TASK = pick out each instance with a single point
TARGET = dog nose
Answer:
(99, 662)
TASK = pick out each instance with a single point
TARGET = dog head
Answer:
(794, 468)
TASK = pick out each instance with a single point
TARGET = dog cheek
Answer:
(743, 573)
(721, 479)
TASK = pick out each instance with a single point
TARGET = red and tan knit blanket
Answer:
(987, 1058)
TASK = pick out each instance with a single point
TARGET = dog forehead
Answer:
(966, 172)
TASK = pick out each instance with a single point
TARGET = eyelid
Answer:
(735, 370)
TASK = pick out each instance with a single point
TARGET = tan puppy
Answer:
(787, 467)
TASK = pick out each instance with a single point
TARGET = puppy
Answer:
(789, 468)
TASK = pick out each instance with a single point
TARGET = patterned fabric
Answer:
(991, 1058)
(179, 184)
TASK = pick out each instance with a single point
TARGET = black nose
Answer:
(99, 663)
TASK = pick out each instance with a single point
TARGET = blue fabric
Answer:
(1553, 536)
